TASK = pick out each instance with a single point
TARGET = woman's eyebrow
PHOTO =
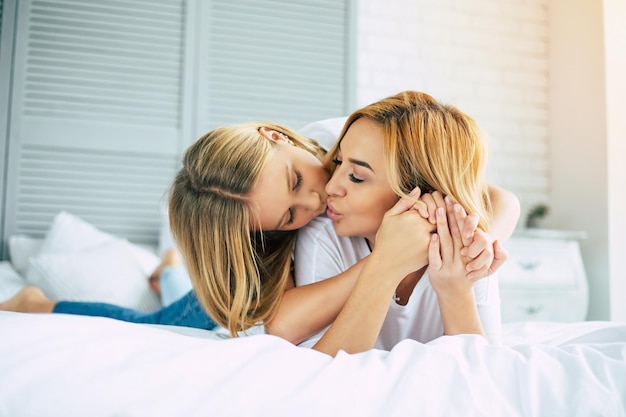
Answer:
(361, 163)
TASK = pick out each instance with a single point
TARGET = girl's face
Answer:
(290, 191)
(359, 193)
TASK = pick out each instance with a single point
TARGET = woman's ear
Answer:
(273, 134)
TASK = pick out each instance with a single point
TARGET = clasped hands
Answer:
(433, 229)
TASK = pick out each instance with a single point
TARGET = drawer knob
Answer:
(529, 264)
(532, 310)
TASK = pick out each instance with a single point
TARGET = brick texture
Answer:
(488, 57)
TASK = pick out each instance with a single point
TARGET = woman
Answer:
(385, 150)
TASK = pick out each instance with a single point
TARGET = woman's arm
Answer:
(308, 309)
(358, 324)
(446, 269)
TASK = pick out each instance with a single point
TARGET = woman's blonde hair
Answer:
(431, 146)
(238, 271)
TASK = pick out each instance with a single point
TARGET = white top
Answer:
(321, 254)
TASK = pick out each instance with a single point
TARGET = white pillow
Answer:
(78, 262)
(325, 132)
(21, 249)
(69, 233)
(107, 273)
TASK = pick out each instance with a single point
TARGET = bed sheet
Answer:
(61, 365)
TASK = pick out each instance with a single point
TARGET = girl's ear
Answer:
(273, 135)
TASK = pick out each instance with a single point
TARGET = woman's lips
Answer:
(331, 213)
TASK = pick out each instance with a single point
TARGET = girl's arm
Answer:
(506, 212)
(308, 309)
(484, 247)
(505, 207)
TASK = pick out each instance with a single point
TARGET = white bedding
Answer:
(58, 365)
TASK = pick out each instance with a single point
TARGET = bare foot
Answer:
(29, 300)
(170, 258)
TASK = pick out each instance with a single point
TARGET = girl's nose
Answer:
(313, 201)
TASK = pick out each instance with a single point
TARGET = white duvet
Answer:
(58, 365)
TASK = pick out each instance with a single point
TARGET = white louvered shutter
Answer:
(96, 113)
(107, 94)
(278, 60)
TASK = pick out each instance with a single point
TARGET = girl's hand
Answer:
(428, 204)
(403, 237)
(485, 254)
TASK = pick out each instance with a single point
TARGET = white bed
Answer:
(62, 365)
(74, 366)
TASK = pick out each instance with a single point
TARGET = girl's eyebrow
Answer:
(281, 221)
(361, 163)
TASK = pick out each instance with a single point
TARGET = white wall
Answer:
(588, 103)
(615, 50)
(488, 57)
(533, 74)
(578, 136)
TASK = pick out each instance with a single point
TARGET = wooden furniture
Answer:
(544, 278)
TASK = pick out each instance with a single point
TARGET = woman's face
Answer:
(290, 191)
(359, 193)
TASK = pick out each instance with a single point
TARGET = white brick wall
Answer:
(488, 57)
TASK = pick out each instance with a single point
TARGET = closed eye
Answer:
(298, 182)
(355, 179)
(351, 176)
(291, 217)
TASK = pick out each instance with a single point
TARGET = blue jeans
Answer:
(186, 311)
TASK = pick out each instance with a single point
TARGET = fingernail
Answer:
(447, 200)
(415, 191)
(440, 211)
(457, 207)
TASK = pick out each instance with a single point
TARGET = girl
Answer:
(235, 182)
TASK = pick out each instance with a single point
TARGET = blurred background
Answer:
(98, 99)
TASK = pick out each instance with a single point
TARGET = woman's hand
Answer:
(446, 264)
(403, 237)
(446, 271)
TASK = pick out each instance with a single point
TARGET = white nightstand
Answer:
(544, 277)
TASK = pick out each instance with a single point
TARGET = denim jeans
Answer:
(186, 311)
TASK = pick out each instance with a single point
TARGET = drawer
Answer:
(543, 305)
(555, 264)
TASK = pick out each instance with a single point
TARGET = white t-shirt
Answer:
(321, 254)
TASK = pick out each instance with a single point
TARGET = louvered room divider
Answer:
(104, 96)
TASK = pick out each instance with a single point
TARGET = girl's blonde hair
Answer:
(431, 146)
(238, 271)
